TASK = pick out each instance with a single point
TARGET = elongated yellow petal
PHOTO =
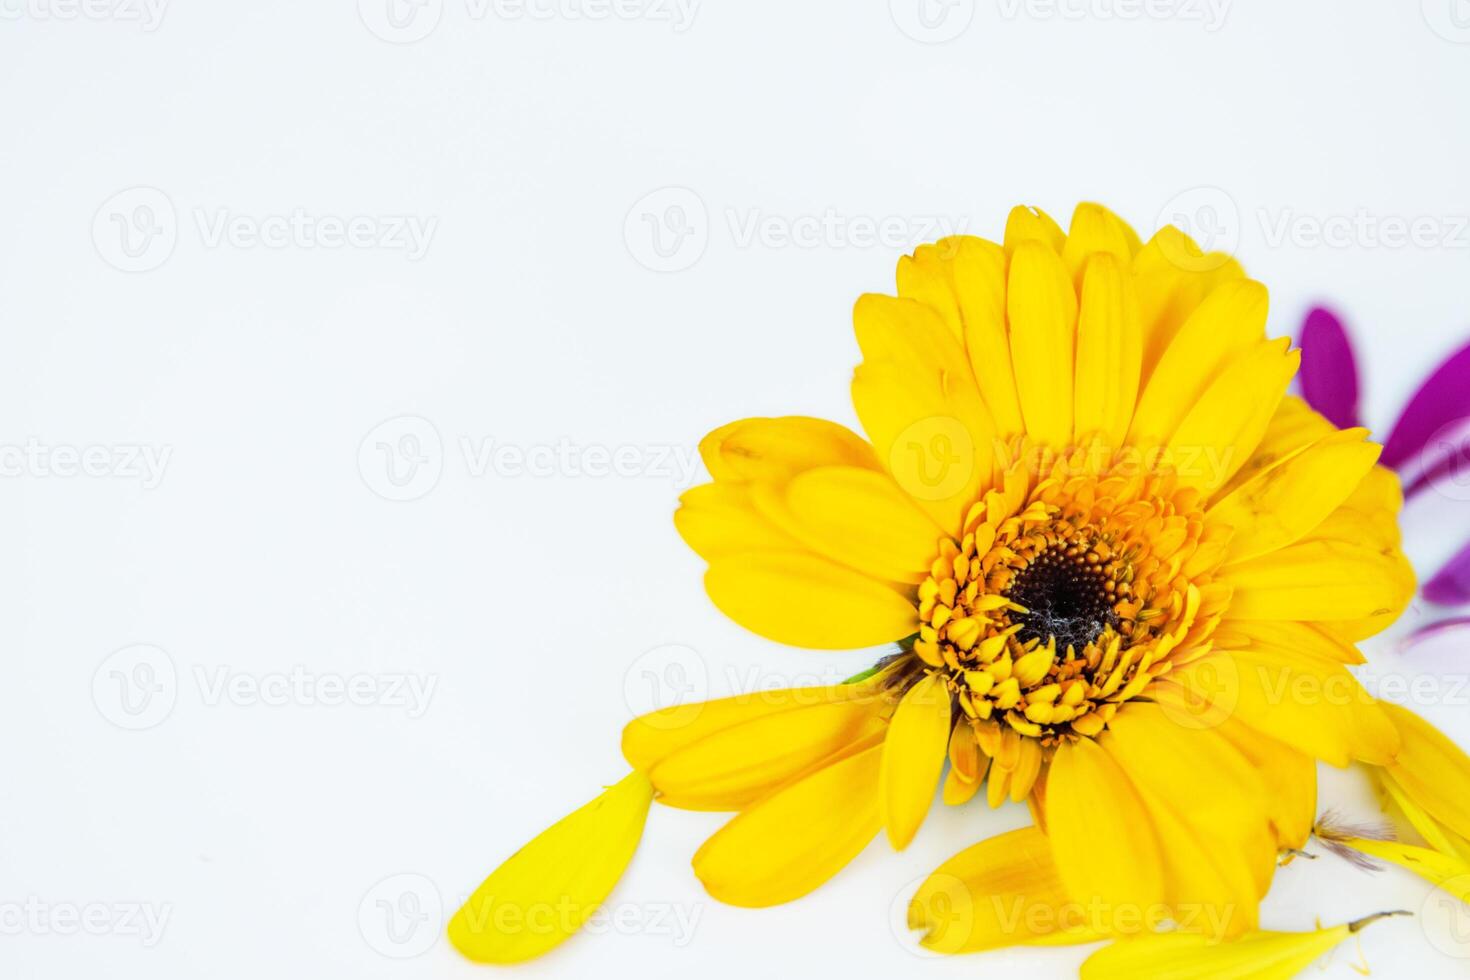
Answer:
(1449, 871)
(1186, 956)
(794, 840)
(733, 767)
(980, 285)
(1282, 503)
(861, 518)
(546, 890)
(808, 601)
(1109, 351)
(776, 449)
(1222, 429)
(1102, 836)
(928, 276)
(1229, 323)
(1433, 771)
(1173, 276)
(1318, 580)
(1004, 891)
(718, 519)
(1290, 778)
(1042, 307)
(1219, 858)
(654, 736)
(1096, 230)
(913, 756)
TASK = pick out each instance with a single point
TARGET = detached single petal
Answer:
(1187, 956)
(1443, 399)
(546, 890)
(1329, 374)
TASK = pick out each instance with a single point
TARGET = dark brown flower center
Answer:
(1065, 596)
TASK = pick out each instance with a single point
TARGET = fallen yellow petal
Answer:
(546, 890)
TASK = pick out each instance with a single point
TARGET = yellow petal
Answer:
(1290, 778)
(1223, 427)
(1173, 276)
(736, 766)
(1096, 230)
(928, 277)
(1004, 891)
(1186, 956)
(1028, 224)
(980, 285)
(1101, 834)
(1042, 307)
(1219, 857)
(1433, 771)
(861, 518)
(794, 840)
(654, 736)
(1448, 871)
(1109, 351)
(546, 890)
(1229, 323)
(913, 756)
(718, 519)
(807, 601)
(1282, 503)
(776, 449)
(1318, 580)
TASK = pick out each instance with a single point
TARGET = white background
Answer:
(277, 833)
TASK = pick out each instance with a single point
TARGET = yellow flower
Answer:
(1125, 573)
(1125, 569)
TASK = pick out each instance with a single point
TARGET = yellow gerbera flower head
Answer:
(1104, 539)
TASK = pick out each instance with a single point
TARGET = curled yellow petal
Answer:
(546, 890)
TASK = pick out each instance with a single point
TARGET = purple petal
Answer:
(1329, 373)
(1442, 401)
(1434, 629)
(1450, 586)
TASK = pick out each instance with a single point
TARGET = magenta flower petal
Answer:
(1329, 373)
(1441, 401)
(1450, 586)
